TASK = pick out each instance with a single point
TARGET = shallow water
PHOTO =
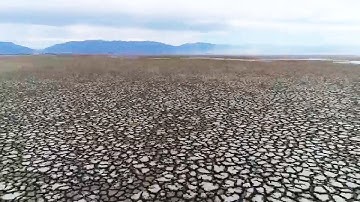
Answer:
(278, 59)
(354, 62)
(259, 60)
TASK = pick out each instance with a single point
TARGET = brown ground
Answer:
(70, 65)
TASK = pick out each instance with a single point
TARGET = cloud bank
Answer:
(41, 23)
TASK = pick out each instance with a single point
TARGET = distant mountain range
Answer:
(157, 48)
(114, 47)
(8, 48)
(128, 48)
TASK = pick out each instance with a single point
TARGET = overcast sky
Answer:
(40, 23)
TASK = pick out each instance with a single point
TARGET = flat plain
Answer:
(98, 128)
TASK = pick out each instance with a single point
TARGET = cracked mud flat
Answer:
(110, 129)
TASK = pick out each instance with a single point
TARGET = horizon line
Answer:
(198, 42)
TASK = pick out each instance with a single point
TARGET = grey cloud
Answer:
(115, 20)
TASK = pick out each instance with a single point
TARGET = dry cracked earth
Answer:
(114, 129)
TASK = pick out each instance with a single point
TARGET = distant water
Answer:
(355, 62)
(259, 60)
(217, 58)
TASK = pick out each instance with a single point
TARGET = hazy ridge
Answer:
(157, 48)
